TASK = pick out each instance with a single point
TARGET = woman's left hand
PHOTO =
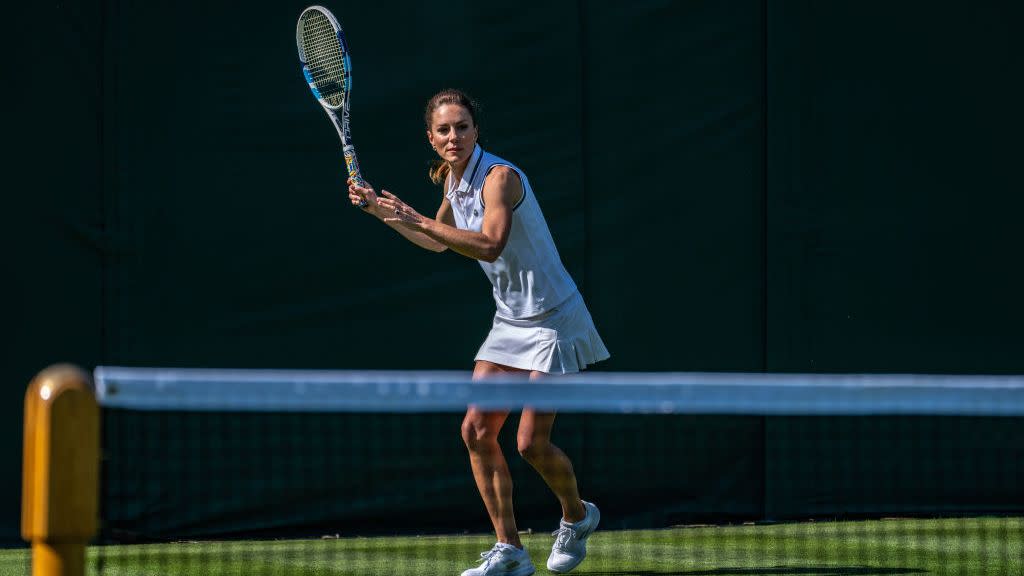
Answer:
(403, 213)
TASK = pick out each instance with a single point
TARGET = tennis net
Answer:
(318, 472)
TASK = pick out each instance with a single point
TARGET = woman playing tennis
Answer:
(542, 326)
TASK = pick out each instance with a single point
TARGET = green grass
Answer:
(881, 547)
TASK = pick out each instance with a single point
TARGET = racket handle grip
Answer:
(352, 167)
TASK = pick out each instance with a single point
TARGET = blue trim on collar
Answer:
(466, 184)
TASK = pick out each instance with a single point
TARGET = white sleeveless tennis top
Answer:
(528, 277)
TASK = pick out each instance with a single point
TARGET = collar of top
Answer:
(465, 184)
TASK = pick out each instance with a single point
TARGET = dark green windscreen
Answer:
(784, 186)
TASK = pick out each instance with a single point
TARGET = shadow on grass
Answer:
(773, 571)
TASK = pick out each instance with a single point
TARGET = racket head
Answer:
(324, 56)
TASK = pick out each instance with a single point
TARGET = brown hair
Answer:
(439, 168)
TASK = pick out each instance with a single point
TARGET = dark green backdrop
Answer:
(742, 185)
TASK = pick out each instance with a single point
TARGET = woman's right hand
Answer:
(359, 195)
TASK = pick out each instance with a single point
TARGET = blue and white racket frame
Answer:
(339, 114)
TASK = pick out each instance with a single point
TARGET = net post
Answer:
(60, 470)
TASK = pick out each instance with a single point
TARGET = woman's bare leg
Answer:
(534, 440)
(490, 470)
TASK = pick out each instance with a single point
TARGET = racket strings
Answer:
(324, 57)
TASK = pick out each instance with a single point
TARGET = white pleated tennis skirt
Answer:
(562, 340)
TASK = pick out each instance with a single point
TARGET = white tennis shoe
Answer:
(503, 560)
(570, 547)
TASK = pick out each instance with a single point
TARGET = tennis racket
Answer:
(328, 70)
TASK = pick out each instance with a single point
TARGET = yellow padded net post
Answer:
(60, 474)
